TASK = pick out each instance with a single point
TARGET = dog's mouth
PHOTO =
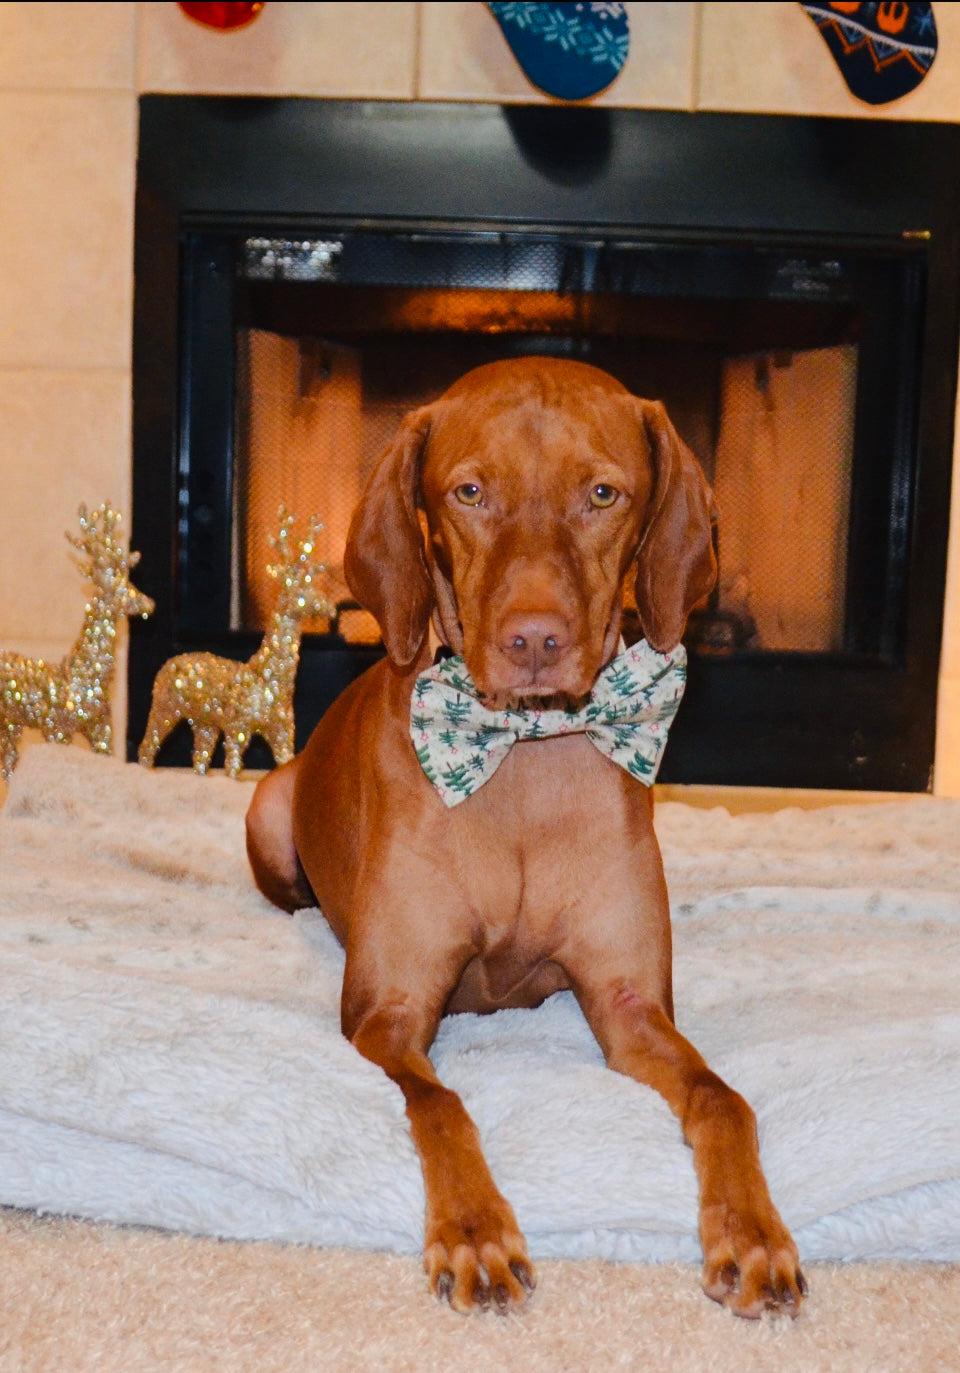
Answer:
(533, 698)
(567, 688)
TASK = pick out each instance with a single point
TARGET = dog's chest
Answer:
(534, 850)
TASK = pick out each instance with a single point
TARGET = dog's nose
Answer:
(533, 642)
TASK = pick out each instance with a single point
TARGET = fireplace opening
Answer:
(337, 339)
(800, 365)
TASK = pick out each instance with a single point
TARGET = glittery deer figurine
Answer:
(238, 700)
(73, 696)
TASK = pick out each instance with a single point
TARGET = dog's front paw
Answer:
(751, 1264)
(479, 1262)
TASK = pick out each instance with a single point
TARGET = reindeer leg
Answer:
(53, 728)
(232, 755)
(153, 736)
(280, 739)
(204, 742)
(9, 747)
(100, 735)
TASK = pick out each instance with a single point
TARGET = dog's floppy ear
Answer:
(384, 562)
(675, 561)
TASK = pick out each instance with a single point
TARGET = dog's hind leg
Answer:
(270, 847)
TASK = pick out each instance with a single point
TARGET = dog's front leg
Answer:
(474, 1252)
(750, 1260)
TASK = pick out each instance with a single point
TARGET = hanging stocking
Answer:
(570, 51)
(883, 50)
(223, 14)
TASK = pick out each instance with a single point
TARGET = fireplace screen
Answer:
(308, 271)
(338, 338)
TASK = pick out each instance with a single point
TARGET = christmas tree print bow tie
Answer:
(460, 743)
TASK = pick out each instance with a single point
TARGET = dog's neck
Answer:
(434, 643)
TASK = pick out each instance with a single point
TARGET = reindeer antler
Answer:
(280, 541)
(72, 538)
(289, 553)
(313, 532)
(98, 542)
(98, 530)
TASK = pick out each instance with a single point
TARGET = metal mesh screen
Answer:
(343, 337)
(782, 485)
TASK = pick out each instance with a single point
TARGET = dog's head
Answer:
(512, 510)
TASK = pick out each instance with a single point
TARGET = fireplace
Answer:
(307, 271)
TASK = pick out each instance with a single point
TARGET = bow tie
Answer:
(460, 743)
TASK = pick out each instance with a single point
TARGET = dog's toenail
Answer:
(445, 1285)
(729, 1275)
(801, 1283)
(523, 1276)
(501, 1298)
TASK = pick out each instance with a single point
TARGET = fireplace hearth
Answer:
(307, 271)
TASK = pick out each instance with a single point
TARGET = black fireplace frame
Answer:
(261, 165)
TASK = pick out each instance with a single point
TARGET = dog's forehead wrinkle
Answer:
(559, 456)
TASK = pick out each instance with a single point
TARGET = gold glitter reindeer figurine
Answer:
(73, 696)
(219, 695)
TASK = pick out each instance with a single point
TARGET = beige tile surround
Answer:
(70, 75)
(770, 57)
(67, 170)
(357, 49)
(67, 47)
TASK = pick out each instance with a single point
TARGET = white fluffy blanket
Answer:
(170, 1054)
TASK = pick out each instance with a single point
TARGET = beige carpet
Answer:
(77, 1296)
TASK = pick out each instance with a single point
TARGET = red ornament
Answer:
(229, 14)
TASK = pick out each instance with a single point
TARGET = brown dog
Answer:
(509, 513)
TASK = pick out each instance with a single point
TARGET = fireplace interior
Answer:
(290, 309)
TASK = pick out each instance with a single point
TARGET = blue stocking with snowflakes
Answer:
(569, 50)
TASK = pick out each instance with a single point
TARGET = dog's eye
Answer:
(602, 496)
(468, 494)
